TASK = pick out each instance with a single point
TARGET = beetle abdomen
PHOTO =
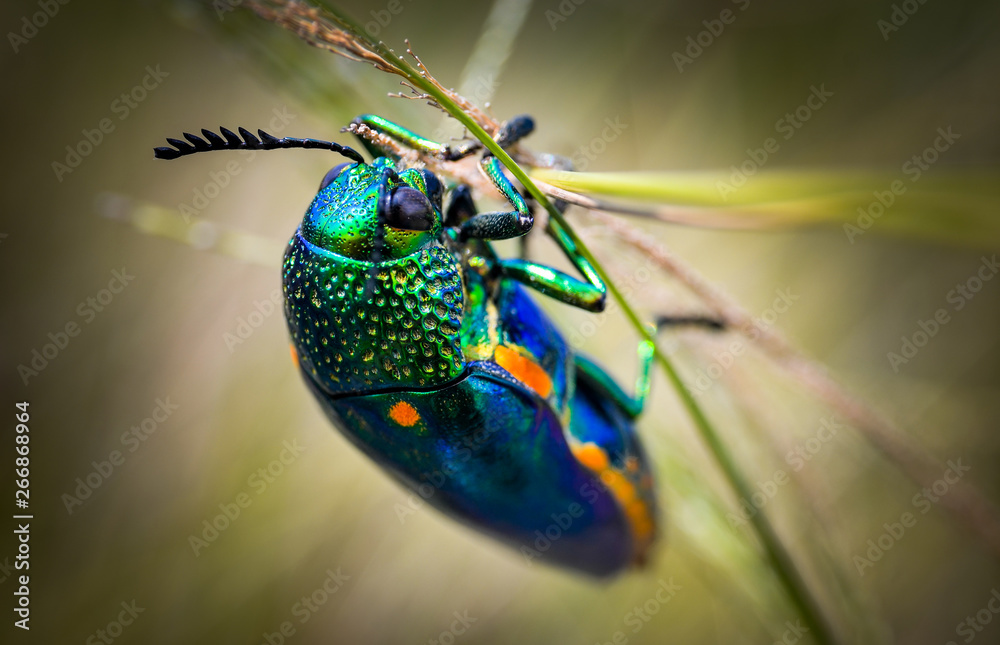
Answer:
(493, 454)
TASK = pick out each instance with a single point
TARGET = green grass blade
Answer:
(958, 207)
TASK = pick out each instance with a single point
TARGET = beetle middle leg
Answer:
(461, 213)
(589, 294)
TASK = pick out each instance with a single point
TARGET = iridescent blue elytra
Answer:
(424, 348)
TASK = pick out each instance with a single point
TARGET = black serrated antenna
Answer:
(245, 140)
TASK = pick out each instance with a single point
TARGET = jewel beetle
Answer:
(424, 348)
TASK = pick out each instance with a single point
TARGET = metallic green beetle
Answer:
(425, 350)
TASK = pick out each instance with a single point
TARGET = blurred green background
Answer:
(328, 509)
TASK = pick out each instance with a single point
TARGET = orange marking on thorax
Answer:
(404, 414)
(524, 369)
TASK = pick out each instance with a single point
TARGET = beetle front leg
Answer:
(461, 207)
(510, 133)
(499, 225)
(410, 139)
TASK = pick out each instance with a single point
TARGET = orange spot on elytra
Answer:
(592, 456)
(404, 414)
(595, 459)
(295, 355)
(524, 369)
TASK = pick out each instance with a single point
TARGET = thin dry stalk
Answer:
(326, 31)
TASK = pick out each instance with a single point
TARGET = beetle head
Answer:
(371, 212)
(359, 328)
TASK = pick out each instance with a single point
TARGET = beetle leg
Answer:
(555, 284)
(510, 133)
(589, 294)
(514, 130)
(606, 385)
(498, 225)
(633, 406)
(411, 140)
(522, 242)
(461, 207)
(705, 322)
(522, 247)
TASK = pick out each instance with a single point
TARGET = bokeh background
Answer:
(327, 509)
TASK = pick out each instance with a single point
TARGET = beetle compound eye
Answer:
(409, 210)
(333, 174)
(434, 188)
